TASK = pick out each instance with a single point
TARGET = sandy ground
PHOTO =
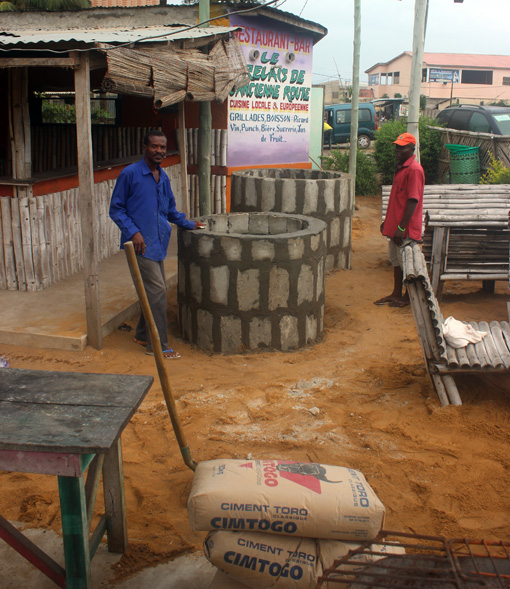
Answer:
(437, 470)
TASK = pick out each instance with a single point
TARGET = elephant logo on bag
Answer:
(308, 469)
(306, 474)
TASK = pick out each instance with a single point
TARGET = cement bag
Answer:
(262, 560)
(284, 497)
(223, 581)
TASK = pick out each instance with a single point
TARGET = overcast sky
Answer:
(474, 26)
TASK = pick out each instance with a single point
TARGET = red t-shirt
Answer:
(408, 183)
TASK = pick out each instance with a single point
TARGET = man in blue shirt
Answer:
(142, 206)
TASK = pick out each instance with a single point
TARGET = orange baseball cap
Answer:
(405, 139)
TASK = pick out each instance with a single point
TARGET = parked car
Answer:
(480, 119)
(338, 116)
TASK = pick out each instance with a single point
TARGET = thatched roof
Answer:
(169, 74)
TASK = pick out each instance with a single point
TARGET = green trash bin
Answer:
(464, 164)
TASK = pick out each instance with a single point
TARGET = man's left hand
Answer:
(199, 225)
(398, 237)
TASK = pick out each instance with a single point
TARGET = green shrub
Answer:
(66, 114)
(497, 173)
(366, 170)
(430, 148)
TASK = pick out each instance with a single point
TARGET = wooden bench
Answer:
(443, 362)
(465, 233)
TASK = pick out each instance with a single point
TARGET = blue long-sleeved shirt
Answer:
(139, 203)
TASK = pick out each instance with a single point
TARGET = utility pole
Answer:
(204, 135)
(353, 151)
(420, 21)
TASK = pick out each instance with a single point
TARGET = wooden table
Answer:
(67, 424)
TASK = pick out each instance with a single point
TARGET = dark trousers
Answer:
(153, 276)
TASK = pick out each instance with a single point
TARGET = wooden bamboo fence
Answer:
(218, 181)
(466, 231)
(40, 237)
(54, 146)
(497, 145)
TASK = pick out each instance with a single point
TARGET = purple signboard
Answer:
(269, 119)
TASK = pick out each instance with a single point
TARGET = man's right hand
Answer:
(381, 228)
(138, 243)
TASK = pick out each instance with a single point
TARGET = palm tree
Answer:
(40, 5)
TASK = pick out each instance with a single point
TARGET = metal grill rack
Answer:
(429, 562)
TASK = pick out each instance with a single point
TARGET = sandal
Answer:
(166, 353)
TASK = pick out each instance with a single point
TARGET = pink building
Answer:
(462, 76)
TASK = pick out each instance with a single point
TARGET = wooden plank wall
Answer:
(40, 237)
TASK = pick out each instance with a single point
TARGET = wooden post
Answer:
(353, 146)
(204, 134)
(420, 19)
(87, 213)
(185, 207)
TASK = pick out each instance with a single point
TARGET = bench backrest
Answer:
(426, 311)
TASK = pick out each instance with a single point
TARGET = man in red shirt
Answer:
(404, 215)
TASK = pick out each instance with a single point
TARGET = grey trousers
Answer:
(153, 276)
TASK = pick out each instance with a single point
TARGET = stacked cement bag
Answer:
(261, 560)
(278, 509)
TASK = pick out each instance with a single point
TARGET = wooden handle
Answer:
(158, 354)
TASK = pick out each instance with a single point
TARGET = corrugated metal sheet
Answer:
(107, 35)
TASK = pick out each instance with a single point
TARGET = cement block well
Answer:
(252, 281)
(324, 195)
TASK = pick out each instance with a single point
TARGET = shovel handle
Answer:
(158, 354)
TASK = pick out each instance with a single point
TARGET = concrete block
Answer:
(344, 195)
(205, 330)
(311, 329)
(186, 238)
(277, 225)
(260, 333)
(319, 287)
(289, 197)
(181, 278)
(248, 290)
(219, 224)
(232, 248)
(205, 245)
(289, 337)
(268, 194)
(262, 250)
(329, 196)
(279, 288)
(186, 325)
(219, 284)
(315, 242)
(330, 262)
(195, 282)
(334, 232)
(347, 232)
(230, 328)
(238, 222)
(258, 224)
(296, 248)
(250, 193)
(305, 285)
(342, 261)
(311, 197)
